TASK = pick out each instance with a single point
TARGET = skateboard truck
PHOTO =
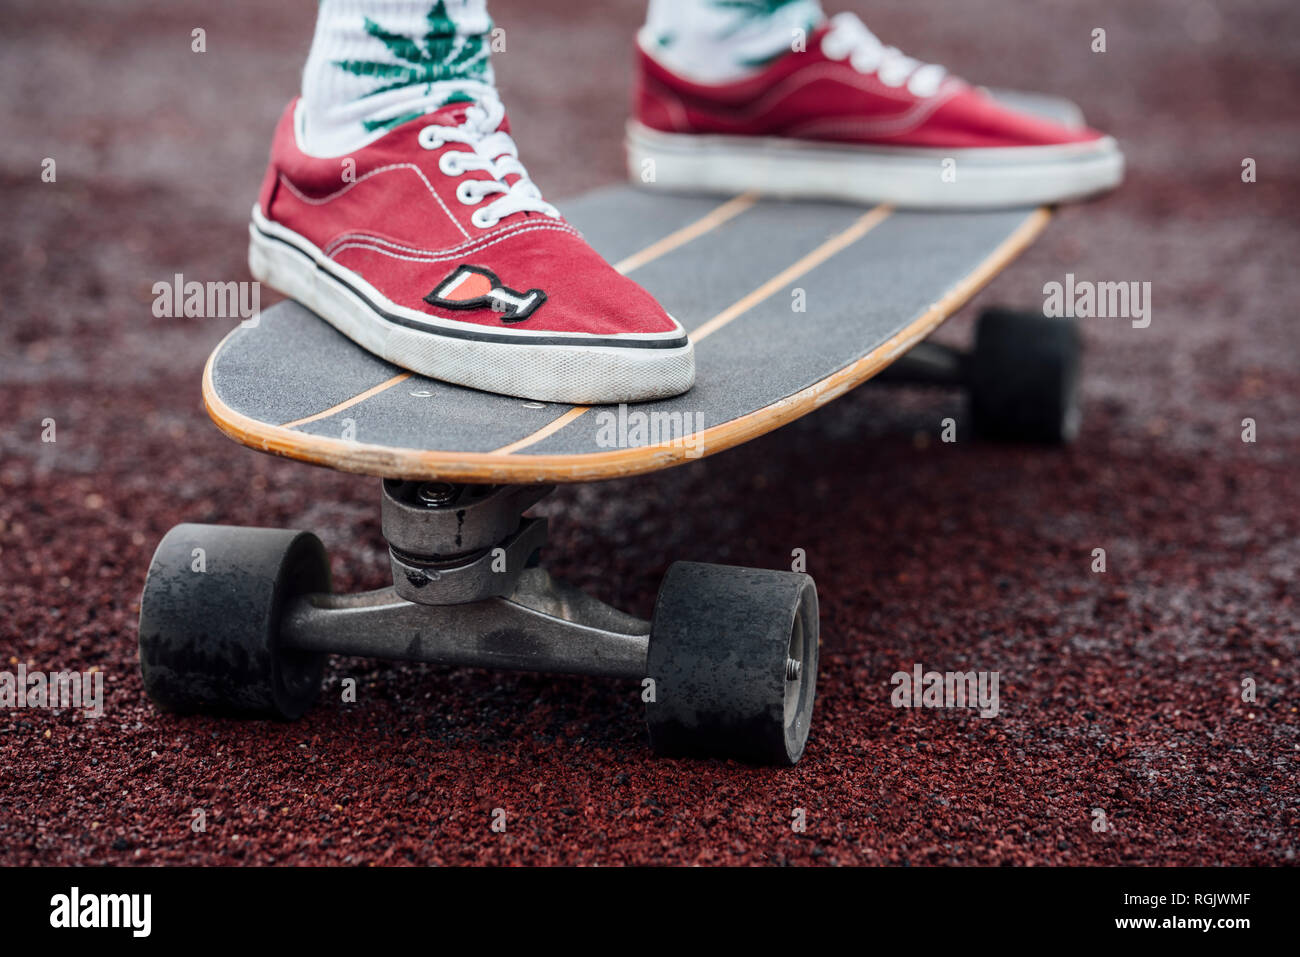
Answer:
(453, 544)
(727, 666)
(1022, 375)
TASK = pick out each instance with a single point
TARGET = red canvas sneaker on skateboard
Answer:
(851, 119)
(430, 247)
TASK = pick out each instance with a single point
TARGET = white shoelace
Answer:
(494, 152)
(849, 37)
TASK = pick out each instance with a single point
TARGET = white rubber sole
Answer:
(916, 178)
(547, 367)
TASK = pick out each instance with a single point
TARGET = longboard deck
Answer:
(871, 284)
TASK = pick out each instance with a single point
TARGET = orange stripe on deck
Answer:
(863, 225)
(549, 429)
(728, 210)
(348, 403)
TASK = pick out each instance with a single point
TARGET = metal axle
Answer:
(927, 363)
(464, 595)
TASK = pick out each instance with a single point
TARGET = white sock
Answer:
(716, 41)
(377, 63)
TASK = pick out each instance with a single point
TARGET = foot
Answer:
(849, 118)
(431, 247)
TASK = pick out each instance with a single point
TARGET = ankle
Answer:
(712, 42)
(375, 64)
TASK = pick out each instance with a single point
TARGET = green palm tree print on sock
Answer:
(754, 9)
(749, 12)
(440, 55)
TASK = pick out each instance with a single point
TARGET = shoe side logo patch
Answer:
(473, 287)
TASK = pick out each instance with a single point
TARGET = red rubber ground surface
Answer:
(1119, 691)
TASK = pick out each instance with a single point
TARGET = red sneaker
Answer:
(432, 248)
(850, 118)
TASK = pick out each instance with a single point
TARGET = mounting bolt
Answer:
(436, 494)
(792, 668)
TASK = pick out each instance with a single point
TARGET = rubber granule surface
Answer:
(1120, 692)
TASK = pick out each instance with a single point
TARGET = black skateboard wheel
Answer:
(1024, 377)
(733, 656)
(209, 621)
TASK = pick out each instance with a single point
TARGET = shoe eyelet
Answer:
(482, 220)
(467, 194)
(429, 138)
(450, 165)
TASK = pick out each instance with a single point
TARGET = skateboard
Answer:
(790, 305)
